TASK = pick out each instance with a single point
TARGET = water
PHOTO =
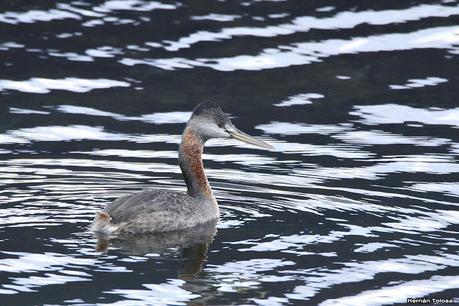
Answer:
(356, 205)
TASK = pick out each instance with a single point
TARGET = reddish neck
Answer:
(190, 161)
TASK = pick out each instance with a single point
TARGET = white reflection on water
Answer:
(360, 271)
(376, 137)
(171, 117)
(132, 5)
(416, 83)
(307, 149)
(10, 45)
(65, 133)
(305, 53)
(104, 52)
(290, 128)
(80, 132)
(81, 11)
(299, 243)
(156, 118)
(300, 99)
(382, 169)
(131, 153)
(36, 270)
(398, 114)
(32, 16)
(16, 110)
(239, 274)
(88, 111)
(342, 20)
(29, 262)
(169, 293)
(455, 148)
(6, 139)
(398, 293)
(31, 282)
(216, 17)
(242, 159)
(271, 301)
(43, 85)
(132, 166)
(451, 188)
(373, 246)
(71, 56)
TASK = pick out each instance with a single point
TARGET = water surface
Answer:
(356, 205)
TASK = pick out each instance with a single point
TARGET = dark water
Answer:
(357, 204)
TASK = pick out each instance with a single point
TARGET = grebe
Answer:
(154, 211)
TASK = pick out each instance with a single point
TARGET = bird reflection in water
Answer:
(192, 243)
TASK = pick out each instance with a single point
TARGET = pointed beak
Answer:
(239, 135)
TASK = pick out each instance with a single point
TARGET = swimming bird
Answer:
(156, 210)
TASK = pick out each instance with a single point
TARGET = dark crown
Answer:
(206, 107)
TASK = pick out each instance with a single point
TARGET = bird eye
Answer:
(220, 124)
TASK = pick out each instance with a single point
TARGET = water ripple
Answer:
(43, 85)
(356, 204)
(343, 20)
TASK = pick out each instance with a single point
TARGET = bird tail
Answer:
(101, 224)
(103, 216)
